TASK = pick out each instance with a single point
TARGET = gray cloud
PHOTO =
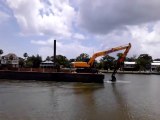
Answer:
(103, 16)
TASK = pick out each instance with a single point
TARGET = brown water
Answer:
(133, 97)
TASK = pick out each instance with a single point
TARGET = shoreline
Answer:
(131, 72)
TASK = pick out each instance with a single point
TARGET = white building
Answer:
(155, 65)
(10, 59)
(129, 65)
(47, 64)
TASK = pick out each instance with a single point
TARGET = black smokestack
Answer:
(54, 52)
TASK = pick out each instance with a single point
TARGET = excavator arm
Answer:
(103, 53)
(119, 61)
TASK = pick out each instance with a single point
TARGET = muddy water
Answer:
(133, 97)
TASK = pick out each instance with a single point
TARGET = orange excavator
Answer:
(87, 67)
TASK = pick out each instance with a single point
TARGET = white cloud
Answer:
(147, 41)
(40, 17)
(70, 50)
(48, 42)
(79, 36)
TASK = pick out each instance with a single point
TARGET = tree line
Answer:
(143, 61)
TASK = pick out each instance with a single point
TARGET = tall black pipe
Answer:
(54, 52)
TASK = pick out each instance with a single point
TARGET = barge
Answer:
(53, 76)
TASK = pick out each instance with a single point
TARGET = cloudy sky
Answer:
(79, 26)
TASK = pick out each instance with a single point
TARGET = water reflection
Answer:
(122, 105)
(78, 100)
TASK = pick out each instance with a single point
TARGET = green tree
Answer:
(144, 62)
(62, 60)
(34, 61)
(71, 60)
(158, 69)
(107, 62)
(131, 59)
(1, 52)
(157, 59)
(48, 58)
(100, 65)
(83, 57)
(25, 55)
(119, 55)
(21, 62)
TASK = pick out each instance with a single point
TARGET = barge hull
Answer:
(56, 76)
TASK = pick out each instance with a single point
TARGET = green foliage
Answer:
(48, 58)
(107, 62)
(29, 63)
(21, 62)
(71, 60)
(100, 65)
(25, 55)
(83, 57)
(62, 60)
(157, 59)
(1, 51)
(119, 55)
(158, 69)
(144, 62)
(34, 61)
(131, 59)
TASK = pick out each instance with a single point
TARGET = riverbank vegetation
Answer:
(143, 61)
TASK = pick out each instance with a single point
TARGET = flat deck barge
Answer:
(53, 76)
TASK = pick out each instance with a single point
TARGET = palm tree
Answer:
(1, 51)
(25, 55)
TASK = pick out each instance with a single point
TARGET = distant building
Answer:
(47, 64)
(155, 65)
(10, 59)
(129, 66)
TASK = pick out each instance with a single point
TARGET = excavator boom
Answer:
(103, 53)
(119, 61)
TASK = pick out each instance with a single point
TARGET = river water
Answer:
(133, 97)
